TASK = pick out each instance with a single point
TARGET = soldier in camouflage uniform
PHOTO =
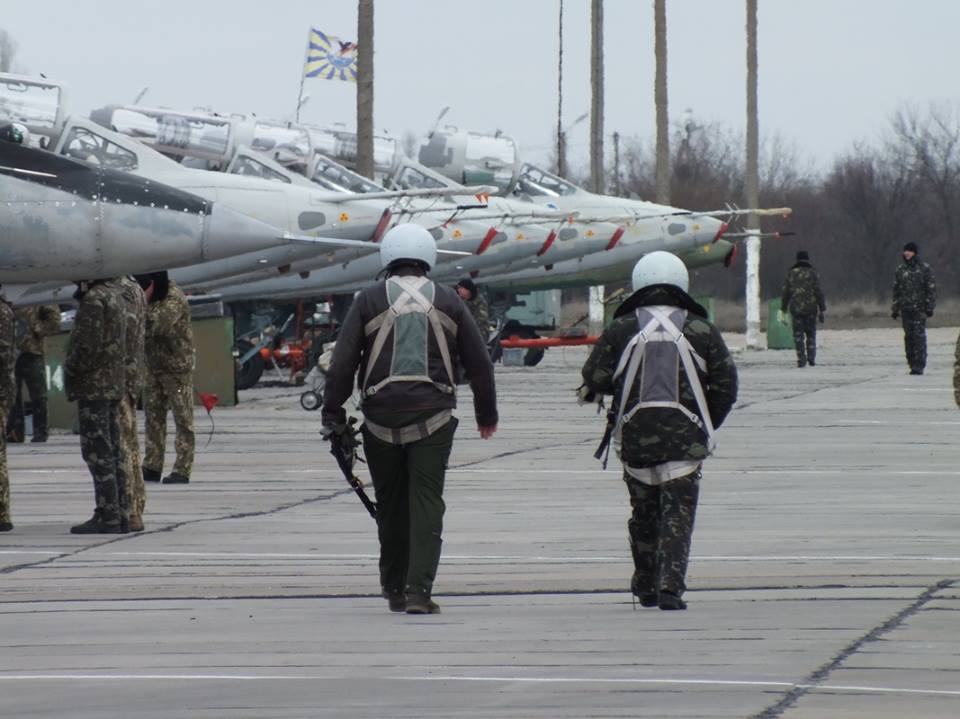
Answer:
(6, 398)
(956, 373)
(169, 381)
(477, 305)
(662, 443)
(803, 298)
(31, 369)
(94, 377)
(914, 297)
(135, 314)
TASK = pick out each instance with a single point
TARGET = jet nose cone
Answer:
(710, 230)
(229, 233)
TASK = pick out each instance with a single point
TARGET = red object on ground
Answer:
(514, 341)
(208, 400)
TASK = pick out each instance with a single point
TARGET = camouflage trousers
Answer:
(915, 339)
(660, 528)
(100, 447)
(805, 337)
(4, 477)
(130, 455)
(29, 370)
(173, 392)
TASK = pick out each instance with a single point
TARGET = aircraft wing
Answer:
(333, 243)
(481, 192)
(729, 212)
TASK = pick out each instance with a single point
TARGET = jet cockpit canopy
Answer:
(37, 104)
(472, 158)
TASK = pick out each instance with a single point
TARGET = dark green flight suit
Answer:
(408, 471)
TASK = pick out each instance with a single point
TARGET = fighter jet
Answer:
(64, 220)
(495, 158)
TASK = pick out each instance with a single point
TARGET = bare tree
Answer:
(8, 50)
(365, 88)
(660, 98)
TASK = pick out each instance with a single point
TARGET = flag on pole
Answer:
(330, 58)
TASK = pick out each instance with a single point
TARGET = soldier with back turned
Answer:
(94, 377)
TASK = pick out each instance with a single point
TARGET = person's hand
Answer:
(822, 318)
(344, 434)
(585, 395)
(929, 313)
(895, 315)
(781, 316)
(486, 432)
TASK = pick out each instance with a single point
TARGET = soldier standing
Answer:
(476, 304)
(673, 383)
(803, 298)
(31, 369)
(6, 398)
(914, 297)
(168, 342)
(135, 315)
(407, 340)
(93, 376)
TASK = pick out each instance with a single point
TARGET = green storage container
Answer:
(707, 304)
(779, 333)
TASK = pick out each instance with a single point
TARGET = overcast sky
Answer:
(831, 71)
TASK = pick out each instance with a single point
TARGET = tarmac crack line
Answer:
(818, 676)
(782, 398)
(171, 527)
(515, 452)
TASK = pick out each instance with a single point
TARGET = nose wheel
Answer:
(310, 400)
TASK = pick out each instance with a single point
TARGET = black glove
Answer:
(343, 433)
(821, 318)
(585, 395)
(929, 313)
(895, 315)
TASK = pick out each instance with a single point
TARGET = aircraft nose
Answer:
(229, 233)
(710, 230)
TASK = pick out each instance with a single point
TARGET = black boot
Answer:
(150, 475)
(97, 525)
(175, 478)
(670, 601)
(396, 599)
(421, 604)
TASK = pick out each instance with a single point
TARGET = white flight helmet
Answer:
(408, 242)
(660, 268)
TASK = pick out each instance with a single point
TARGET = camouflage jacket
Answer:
(914, 291)
(169, 335)
(39, 322)
(801, 291)
(94, 366)
(6, 355)
(956, 373)
(135, 316)
(481, 313)
(657, 435)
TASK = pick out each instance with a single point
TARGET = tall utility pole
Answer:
(596, 106)
(617, 186)
(752, 184)
(660, 99)
(561, 140)
(365, 88)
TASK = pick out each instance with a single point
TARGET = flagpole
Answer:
(303, 76)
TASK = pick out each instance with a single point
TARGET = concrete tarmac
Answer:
(823, 582)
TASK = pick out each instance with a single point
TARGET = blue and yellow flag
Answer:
(330, 58)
